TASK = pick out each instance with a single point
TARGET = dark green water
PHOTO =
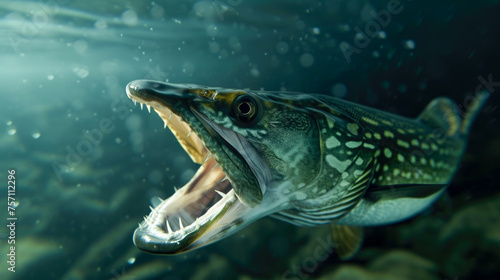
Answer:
(87, 162)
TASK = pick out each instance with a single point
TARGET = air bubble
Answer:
(300, 25)
(187, 175)
(213, 47)
(306, 60)
(212, 30)
(81, 72)
(282, 47)
(339, 90)
(409, 44)
(157, 12)
(129, 17)
(254, 72)
(188, 68)
(101, 24)
(80, 46)
(155, 176)
(402, 88)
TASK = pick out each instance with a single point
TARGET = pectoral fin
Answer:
(347, 240)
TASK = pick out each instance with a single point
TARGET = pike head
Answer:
(255, 150)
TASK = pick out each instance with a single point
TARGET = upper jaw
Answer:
(159, 233)
(168, 100)
(149, 90)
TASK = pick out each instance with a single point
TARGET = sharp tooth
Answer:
(168, 227)
(208, 157)
(197, 223)
(189, 133)
(220, 193)
(152, 209)
(170, 115)
(164, 124)
(180, 224)
(224, 179)
(149, 108)
(135, 102)
(175, 189)
(217, 165)
(141, 105)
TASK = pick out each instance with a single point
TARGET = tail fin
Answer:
(444, 114)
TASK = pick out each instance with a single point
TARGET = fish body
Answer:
(303, 158)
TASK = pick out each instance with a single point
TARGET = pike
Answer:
(302, 158)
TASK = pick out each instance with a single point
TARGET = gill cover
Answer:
(250, 177)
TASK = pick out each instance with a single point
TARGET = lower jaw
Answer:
(151, 237)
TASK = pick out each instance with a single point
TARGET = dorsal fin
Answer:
(442, 113)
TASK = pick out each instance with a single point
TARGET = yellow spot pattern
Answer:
(388, 134)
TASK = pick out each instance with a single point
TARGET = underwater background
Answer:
(64, 65)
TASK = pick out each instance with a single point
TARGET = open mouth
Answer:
(175, 224)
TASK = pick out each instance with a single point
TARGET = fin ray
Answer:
(442, 113)
(376, 193)
(347, 240)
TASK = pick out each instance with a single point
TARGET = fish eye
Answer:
(245, 109)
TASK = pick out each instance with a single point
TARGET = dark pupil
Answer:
(245, 108)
